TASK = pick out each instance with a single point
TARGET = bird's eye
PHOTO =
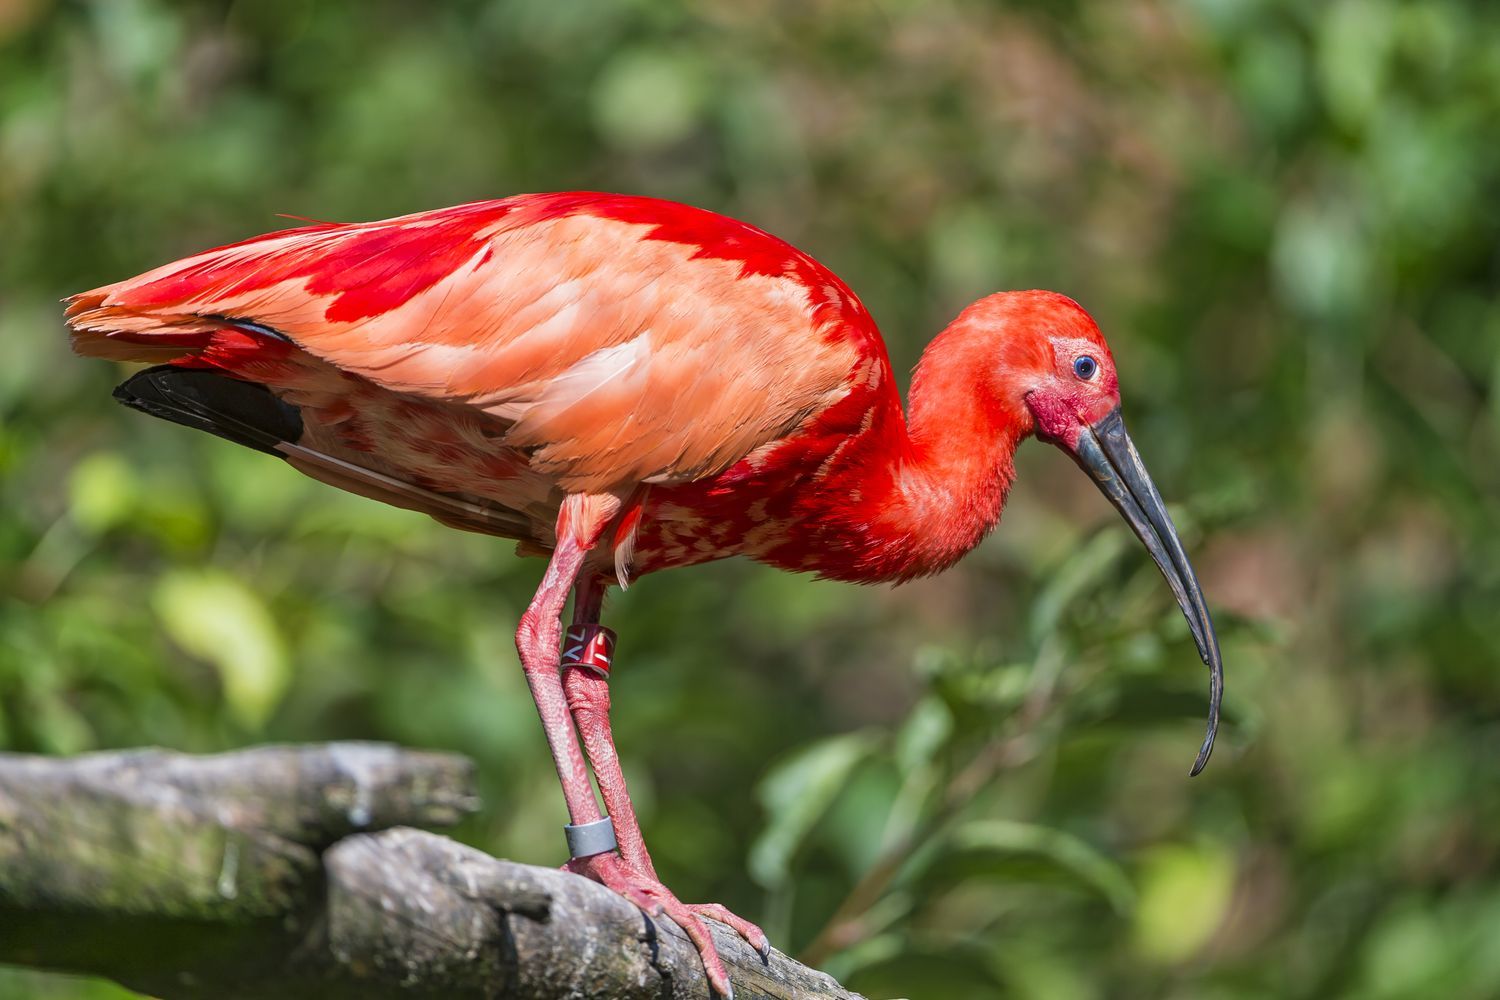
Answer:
(1085, 367)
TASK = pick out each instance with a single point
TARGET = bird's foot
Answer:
(657, 900)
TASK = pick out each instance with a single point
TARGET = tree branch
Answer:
(261, 873)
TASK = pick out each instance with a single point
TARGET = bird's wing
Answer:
(627, 339)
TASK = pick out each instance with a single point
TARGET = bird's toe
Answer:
(657, 901)
(752, 934)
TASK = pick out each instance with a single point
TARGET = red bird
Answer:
(625, 385)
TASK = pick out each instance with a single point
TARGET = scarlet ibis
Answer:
(623, 384)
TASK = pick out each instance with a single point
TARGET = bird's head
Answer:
(1055, 376)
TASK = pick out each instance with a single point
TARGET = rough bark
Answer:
(290, 872)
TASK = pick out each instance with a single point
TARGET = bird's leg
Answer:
(588, 649)
(587, 653)
(579, 524)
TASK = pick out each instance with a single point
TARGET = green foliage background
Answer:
(1283, 214)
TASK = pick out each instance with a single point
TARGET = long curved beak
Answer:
(1106, 453)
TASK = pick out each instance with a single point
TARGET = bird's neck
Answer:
(924, 490)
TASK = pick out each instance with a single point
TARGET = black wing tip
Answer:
(246, 413)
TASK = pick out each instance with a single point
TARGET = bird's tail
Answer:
(99, 330)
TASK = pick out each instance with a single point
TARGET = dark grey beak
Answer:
(1106, 453)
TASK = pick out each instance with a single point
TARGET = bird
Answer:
(622, 385)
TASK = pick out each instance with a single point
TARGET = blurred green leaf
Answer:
(61, 728)
(964, 971)
(102, 491)
(1354, 44)
(1184, 896)
(217, 618)
(1083, 569)
(927, 727)
(796, 793)
(645, 98)
(1014, 851)
(1322, 258)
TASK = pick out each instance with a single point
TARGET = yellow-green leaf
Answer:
(217, 618)
(1184, 893)
(101, 491)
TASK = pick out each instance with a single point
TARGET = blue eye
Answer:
(1085, 367)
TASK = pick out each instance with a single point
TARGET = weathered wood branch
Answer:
(290, 872)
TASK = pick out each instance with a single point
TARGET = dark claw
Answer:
(765, 952)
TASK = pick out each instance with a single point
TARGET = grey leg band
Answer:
(588, 839)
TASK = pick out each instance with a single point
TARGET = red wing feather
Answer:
(626, 340)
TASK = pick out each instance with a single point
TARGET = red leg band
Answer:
(590, 647)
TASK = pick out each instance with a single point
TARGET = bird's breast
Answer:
(809, 501)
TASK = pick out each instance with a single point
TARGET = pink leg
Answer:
(537, 640)
(588, 699)
(631, 873)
